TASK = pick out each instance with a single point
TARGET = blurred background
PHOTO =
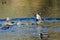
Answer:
(22, 8)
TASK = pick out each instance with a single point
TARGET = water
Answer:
(27, 28)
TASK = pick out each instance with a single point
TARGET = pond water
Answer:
(28, 28)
